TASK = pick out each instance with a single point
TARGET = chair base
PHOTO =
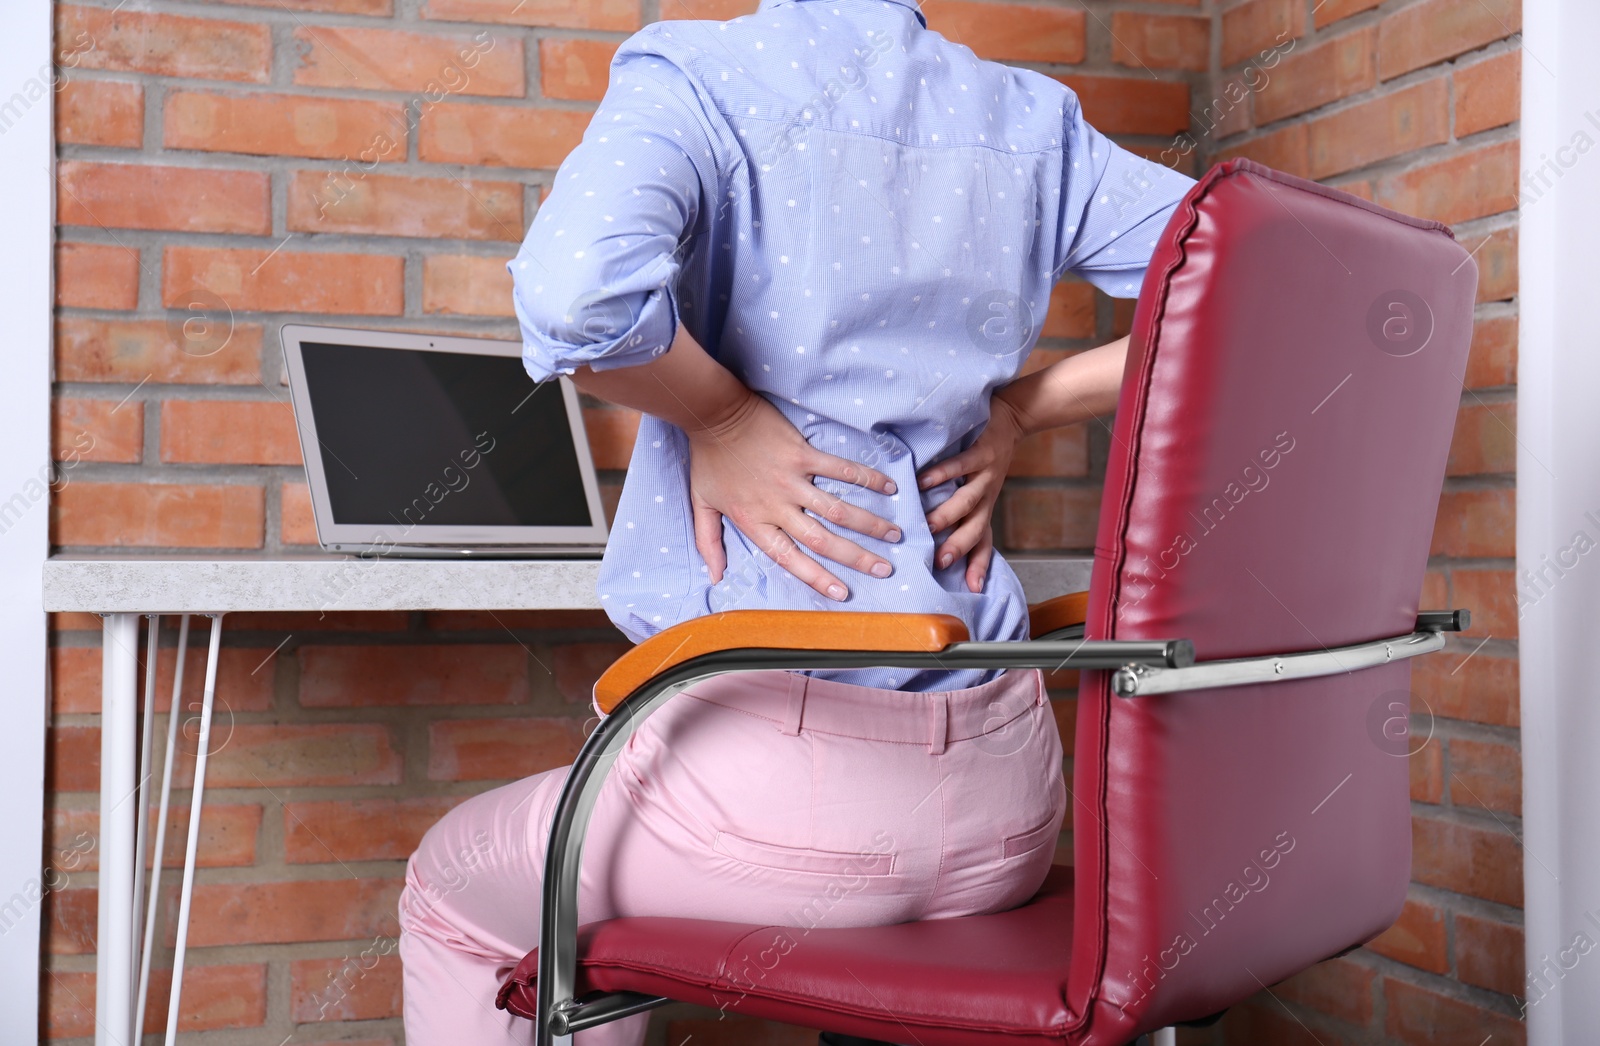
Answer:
(829, 1038)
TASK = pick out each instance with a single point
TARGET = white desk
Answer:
(122, 588)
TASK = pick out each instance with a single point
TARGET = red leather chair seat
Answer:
(973, 981)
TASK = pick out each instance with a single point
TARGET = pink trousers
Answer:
(762, 797)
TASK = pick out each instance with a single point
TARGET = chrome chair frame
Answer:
(1142, 667)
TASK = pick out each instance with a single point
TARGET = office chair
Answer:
(1240, 803)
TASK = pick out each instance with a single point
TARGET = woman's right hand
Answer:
(756, 468)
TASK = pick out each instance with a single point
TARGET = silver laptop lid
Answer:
(423, 440)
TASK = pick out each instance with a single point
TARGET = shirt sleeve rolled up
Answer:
(595, 281)
(1114, 205)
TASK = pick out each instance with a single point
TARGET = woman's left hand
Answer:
(971, 508)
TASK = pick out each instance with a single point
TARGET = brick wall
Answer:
(230, 166)
(227, 167)
(1414, 104)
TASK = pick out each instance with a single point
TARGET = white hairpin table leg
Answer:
(119, 682)
(161, 830)
(195, 798)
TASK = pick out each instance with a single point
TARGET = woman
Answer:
(810, 245)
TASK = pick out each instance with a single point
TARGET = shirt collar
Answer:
(915, 6)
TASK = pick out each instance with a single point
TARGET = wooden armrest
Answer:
(777, 630)
(1060, 612)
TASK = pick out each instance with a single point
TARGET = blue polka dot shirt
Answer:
(862, 221)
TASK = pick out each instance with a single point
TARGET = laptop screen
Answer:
(420, 438)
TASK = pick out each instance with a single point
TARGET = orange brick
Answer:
(576, 667)
(1486, 774)
(1489, 954)
(1151, 41)
(363, 985)
(253, 755)
(1488, 93)
(502, 620)
(158, 515)
(621, 15)
(145, 196)
(97, 276)
(213, 997)
(259, 280)
(576, 69)
(132, 351)
(241, 681)
(1491, 595)
(1327, 12)
(368, 676)
(1496, 258)
(1338, 987)
(74, 621)
(714, 10)
(500, 135)
(1038, 518)
(1424, 33)
(345, 7)
(611, 435)
(1485, 439)
(67, 919)
(361, 133)
(228, 833)
(100, 112)
(726, 1030)
(72, 759)
(500, 749)
(1258, 26)
(1056, 452)
(1312, 77)
(317, 621)
(1426, 766)
(1010, 32)
(1478, 862)
(1476, 523)
(386, 205)
(1288, 149)
(466, 285)
(164, 45)
(229, 432)
(1401, 122)
(1492, 361)
(1417, 938)
(1132, 105)
(1420, 1017)
(300, 910)
(353, 58)
(1228, 111)
(297, 525)
(1071, 311)
(96, 430)
(359, 829)
(1480, 688)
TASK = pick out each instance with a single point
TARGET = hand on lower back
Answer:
(756, 469)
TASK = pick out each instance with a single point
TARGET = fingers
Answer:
(851, 517)
(821, 541)
(708, 540)
(833, 467)
(964, 538)
(968, 461)
(958, 506)
(784, 552)
(978, 560)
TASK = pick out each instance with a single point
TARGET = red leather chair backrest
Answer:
(1279, 448)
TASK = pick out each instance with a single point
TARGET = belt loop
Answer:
(797, 704)
(938, 721)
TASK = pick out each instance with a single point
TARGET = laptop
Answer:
(422, 445)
